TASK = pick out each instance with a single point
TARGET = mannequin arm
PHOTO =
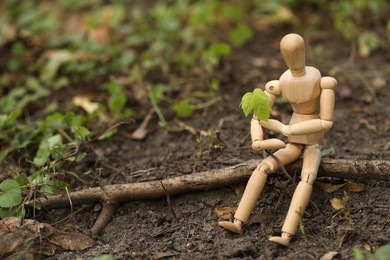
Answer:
(327, 100)
(271, 90)
(307, 127)
(257, 132)
(273, 125)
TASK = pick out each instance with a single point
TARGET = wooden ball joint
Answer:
(312, 99)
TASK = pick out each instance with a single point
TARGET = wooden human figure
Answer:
(312, 100)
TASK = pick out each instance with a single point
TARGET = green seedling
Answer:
(258, 103)
(185, 109)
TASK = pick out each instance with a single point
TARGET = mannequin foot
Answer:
(235, 227)
(283, 240)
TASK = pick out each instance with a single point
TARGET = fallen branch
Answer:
(111, 195)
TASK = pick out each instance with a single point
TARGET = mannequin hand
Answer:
(286, 130)
(256, 145)
(271, 144)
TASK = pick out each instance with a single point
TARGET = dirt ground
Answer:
(149, 229)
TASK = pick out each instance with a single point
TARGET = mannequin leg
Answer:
(301, 197)
(256, 184)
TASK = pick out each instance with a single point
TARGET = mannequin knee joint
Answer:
(264, 168)
(309, 178)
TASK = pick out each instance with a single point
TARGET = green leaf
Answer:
(80, 131)
(3, 154)
(9, 120)
(5, 213)
(258, 102)
(80, 157)
(76, 125)
(46, 188)
(13, 64)
(127, 58)
(234, 12)
(219, 49)
(54, 62)
(103, 257)
(18, 48)
(107, 134)
(12, 117)
(22, 180)
(35, 204)
(45, 147)
(117, 99)
(383, 252)
(327, 151)
(54, 141)
(10, 193)
(240, 35)
(157, 93)
(246, 103)
(10, 212)
(184, 108)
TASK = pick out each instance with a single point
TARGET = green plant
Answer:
(350, 18)
(381, 253)
(258, 102)
(10, 198)
(103, 257)
(117, 101)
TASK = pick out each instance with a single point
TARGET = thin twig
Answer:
(281, 165)
(302, 228)
(69, 216)
(70, 201)
(166, 230)
(169, 201)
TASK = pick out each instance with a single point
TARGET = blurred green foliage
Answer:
(381, 253)
(70, 68)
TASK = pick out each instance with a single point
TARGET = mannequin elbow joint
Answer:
(326, 125)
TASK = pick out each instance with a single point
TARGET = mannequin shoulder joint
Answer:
(328, 83)
(273, 87)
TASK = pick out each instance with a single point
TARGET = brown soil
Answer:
(149, 229)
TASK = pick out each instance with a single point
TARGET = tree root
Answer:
(111, 195)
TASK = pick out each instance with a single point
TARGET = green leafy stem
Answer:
(258, 102)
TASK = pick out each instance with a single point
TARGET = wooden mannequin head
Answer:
(292, 47)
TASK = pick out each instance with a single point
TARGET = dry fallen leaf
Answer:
(70, 241)
(353, 186)
(329, 188)
(85, 103)
(186, 127)
(285, 14)
(163, 255)
(239, 190)
(348, 186)
(225, 213)
(141, 132)
(338, 204)
(45, 239)
(367, 124)
(329, 256)
(378, 83)
(259, 218)
(56, 58)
